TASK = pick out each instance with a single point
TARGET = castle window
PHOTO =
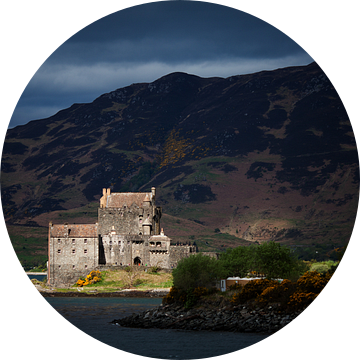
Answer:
(73, 251)
(73, 241)
(110, 242)
(152, 243)
(73, 266)
(85, 241)
(59, 241)
(158, 244)
(59, 266)
(59, 251)
(69, 231)
(85, 251)
(85, 266)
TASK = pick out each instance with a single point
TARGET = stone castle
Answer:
(127, 233)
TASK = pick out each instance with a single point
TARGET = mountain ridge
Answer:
(274, 140)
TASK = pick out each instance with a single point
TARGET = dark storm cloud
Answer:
(176, 31)
(145, 42)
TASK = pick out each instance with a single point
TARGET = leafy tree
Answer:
(236, 262)
(275, 261)
(196, 271)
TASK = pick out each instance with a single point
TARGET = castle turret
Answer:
(147, 226)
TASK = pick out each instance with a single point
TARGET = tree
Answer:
(131, 274)
(196, 271)
(236, 262)
(275, 261)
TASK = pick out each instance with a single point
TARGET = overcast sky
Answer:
(143, 43)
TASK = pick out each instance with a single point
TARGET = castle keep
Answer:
(127, 233)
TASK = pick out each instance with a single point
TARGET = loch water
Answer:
(94, 315)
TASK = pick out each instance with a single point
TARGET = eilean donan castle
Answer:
(127, 233)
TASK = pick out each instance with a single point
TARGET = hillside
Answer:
(269, 155)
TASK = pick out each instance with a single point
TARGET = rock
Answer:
(238, 319)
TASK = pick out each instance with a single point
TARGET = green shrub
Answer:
(138, 282)
(154, 269)
(196, 271)
(320, 268)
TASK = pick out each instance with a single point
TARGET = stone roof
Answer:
(118, 200)
(84, 231)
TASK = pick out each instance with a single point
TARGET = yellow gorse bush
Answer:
(200, 291)
(92, 278)
(312, 281)
(289, 295)
(172, 296)
(301, 299)
(308, 288)
(252, 290)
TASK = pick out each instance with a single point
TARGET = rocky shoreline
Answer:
(229, 318)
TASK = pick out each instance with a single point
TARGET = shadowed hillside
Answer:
(269, 155)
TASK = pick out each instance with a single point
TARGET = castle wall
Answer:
(159, 251)
(178, 252)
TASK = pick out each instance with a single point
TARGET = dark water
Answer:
(175, 344)
(37, 277)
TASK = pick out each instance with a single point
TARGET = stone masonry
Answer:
(127, 233)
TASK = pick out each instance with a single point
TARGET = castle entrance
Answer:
(137, 261)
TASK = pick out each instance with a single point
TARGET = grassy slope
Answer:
(115, 280)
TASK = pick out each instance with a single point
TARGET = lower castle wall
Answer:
(66, 276)
(178, 252)
(72, 258)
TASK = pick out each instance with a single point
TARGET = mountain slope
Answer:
(255, 157)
